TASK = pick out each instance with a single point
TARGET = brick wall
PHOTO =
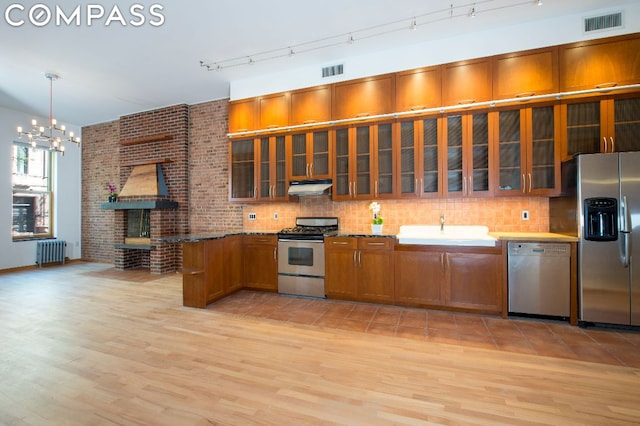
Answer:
(209, 205)
(196, 177)
(100, 166)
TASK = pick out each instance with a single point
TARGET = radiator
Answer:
(49, 251)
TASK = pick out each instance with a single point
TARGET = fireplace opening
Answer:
(138, 227)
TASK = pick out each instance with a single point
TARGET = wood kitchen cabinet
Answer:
(364, 97)
(243, 115)
(208, 273)
(527, 73)
(597, 125)
(260, 254)
(233, 263)
(460, 278)
(467, 82)
(600, 63)
(364, 162)
(359, 269)
(272, 170)
(528, 159)
(468, 164)
(419, 89)
(274, 110)
(311, 105)
(242, 170)
(309, 155)
(420, 161)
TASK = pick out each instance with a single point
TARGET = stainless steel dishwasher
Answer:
(539, 278)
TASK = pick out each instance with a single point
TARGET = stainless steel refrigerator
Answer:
(601, 205)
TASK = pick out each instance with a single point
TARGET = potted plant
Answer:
(376, 224)
(113, 195)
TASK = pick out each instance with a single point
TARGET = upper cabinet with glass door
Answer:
(468, 155)
(272, 170)
(364, 162)
(419, 158)
(527, 158)
(309, 155)
(602, 125)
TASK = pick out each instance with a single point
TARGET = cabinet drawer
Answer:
(260, 239)
(375, 243)
(340, 243)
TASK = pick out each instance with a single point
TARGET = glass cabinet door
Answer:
(509, 149)
(363, 161)
(407, 172)
(384, 144)
(265, 168)
(480, 153)
(455, 172)
(626, 124)
(430, 183)
(299, 163)
(542, 163)
(242, 169)
(583, 128)
(280, 178)
(342, 180)
(320, 161)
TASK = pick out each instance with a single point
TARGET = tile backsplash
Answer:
(502, 214)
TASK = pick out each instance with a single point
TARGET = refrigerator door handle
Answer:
(626, 242)
(625, 215)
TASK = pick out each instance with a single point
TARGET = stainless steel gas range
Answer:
(301, 256)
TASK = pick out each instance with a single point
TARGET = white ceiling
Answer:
(110, 71)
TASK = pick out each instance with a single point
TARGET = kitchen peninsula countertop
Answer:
(545, 237)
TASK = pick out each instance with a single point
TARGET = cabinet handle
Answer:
(307, 170)
(446, 256)
(255, 192)
(613, 145)
(466, 101)
(524, 94)
(416, 107)
(530, 184)
(311, 170)
(354, 257)
(606, 85)
(362, 114)
(375, 244)
(421, 186)
(308, 121)
(464, 185)
(442, 262)
(416, 187)
(360, 258)
(339, 243)
(524, 184)
(375, 188)
(606, 147)
(275, 254)
(349, 189)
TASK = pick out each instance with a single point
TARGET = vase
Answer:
(376, 229)
(113, 198)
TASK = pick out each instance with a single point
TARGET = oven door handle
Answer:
(282, 240)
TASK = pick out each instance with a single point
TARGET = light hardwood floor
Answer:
(83, 344)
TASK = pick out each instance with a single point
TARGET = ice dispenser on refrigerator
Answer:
(601, 219)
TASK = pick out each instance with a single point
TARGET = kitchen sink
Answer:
(451, 235)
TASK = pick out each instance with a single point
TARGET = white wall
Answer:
(566, 29)
(67, 190)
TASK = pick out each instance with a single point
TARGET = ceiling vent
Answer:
(332, 70)
(603, 22)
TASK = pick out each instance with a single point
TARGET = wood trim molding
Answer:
(148, 139)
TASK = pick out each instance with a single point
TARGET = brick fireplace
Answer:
(153, 163)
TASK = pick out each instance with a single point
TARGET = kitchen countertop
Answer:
(547, 237)
(503, 236)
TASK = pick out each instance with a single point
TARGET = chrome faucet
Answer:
(442, 221)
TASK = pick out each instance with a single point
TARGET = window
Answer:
(31, 184)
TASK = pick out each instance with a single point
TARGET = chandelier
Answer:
(52, 134)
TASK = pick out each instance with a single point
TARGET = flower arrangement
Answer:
(113, 195)
(375, 208)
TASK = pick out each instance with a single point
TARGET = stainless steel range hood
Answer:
(303, 188)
